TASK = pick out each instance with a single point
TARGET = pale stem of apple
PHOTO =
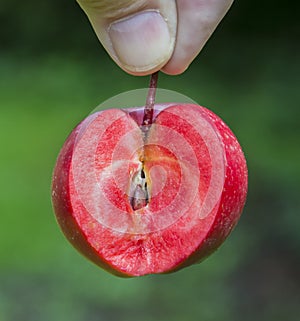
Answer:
(150, 101)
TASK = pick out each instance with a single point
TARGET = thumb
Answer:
(139, 35)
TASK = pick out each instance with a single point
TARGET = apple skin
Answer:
(189, 238)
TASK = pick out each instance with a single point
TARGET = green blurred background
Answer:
(53, 72)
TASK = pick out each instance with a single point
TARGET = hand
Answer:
(145, 36)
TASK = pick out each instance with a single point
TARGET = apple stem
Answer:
(149, 107)
(140, 197)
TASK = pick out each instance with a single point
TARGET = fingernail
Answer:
(142, 41)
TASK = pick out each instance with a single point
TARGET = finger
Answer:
(138, 35)
(197, 19)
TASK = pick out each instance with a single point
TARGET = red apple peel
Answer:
(149, 191)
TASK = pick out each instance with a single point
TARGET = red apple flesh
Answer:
(137, 202)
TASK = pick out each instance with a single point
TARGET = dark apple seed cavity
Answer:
(138, 197)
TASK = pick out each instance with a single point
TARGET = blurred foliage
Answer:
(53, 73)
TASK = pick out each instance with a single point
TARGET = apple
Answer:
(149, 198)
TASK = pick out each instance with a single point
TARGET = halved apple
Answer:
(138, 201)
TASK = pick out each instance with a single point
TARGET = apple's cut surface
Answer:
(139, 199)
